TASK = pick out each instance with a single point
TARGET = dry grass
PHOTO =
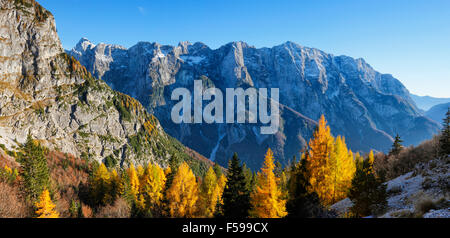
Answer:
(120, 209)
(67, 173)
(423, 205)
(12, 203)
(404, 213)
(86, 211)
(406, 161)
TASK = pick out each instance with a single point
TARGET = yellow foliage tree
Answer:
(101, 173)
(140, 171)
(319, 159)
(343, 170)
(329, 164)
(267, 197)
(8, 169)
(221, 182)
(167, 171)
(182, 195)
(134, 182)
(101, 185)
(359, 160)
(371, 161)
(140, 202)
(45, 207)
(152, 185)
(117, 187)
(210, 193)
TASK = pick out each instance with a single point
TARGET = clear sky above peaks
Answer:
(409, 39)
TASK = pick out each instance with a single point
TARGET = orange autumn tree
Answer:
(267, 199)
(182, 195)
(45, 207)
(329, 164)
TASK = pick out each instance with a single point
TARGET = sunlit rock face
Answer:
(365, 106)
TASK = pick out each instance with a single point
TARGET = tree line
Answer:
(326, 173)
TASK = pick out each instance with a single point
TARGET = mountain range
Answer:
(367, 107)
(425, 103)
(438, 112)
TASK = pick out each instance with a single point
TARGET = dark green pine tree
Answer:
(397, 146)
(250, 177)
(301, 203)
(444, 141)
(174, 163)
(236, 196)
(35, 172)
(368, 192)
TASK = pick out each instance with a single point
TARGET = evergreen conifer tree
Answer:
(35, 172)
(236, 196)
(397, 146)
(368, 193)
(302, 202)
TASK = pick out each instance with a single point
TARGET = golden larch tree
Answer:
(8, 169)
(45, 207)
(134, 182)
(182, 195)
(319, 162)
(371, 159)
(209, 193)
(101, 185)
(343, 170)
(140, 171)
(267, 199)
(221, 182)
(152, 185)
(117, 187)
(359, 160)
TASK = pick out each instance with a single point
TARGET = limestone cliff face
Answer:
(49, 94)
(365, 106)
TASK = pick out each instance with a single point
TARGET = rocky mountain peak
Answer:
(365, 106)
(83, 45)
(28, 36)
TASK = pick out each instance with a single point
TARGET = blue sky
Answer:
(408, 39)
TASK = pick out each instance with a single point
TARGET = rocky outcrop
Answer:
(50, 95)
(365, 106)
(423, 192)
